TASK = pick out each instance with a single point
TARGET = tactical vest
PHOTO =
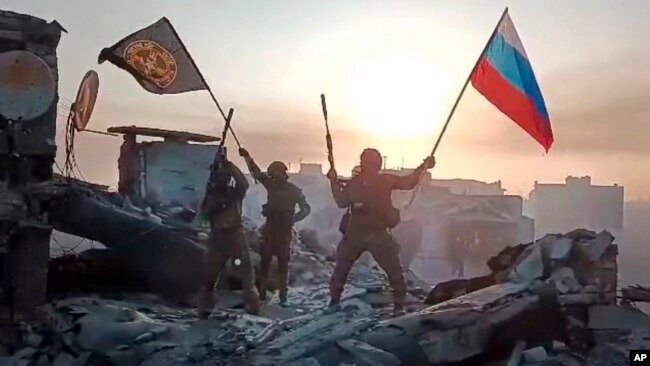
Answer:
(219, 195)
(371, 203)
(281, 202)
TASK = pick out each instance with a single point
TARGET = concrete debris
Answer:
(594, 248)
(517, 354)
(561, 250)
(636, 294)
(531, 266)
(616, 317)
(564, 280)
(309, 361)
(367, 355)
(549, 296)
(537, 354)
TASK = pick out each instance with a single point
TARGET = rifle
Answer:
(328, 137)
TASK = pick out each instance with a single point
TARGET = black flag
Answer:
(157, 59)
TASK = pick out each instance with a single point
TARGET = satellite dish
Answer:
(27, 86)
(84, 103)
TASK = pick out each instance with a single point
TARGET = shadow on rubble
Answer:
(553, 301)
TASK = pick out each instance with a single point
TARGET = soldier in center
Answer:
(365, 227)
(281, 215)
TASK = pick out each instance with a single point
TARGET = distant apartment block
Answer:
(558, 208)
(456, 186)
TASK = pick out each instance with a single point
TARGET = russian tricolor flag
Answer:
(504, 76)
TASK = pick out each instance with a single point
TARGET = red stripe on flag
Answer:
(519, 107)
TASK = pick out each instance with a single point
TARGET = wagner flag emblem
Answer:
(156, 57)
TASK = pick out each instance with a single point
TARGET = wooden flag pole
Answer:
(453, 108)
(214, 99)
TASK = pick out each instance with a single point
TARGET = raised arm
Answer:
(409, 182)
(255, 170)
(303, 207)
(338, 190)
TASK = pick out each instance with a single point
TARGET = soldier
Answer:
(280, 213)
(222, 206)
(371, 213)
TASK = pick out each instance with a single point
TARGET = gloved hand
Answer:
(244, 153)
(429, 162)
(332, 175)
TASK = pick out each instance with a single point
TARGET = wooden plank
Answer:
(167, 134)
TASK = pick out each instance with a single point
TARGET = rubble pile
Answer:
(550, 302)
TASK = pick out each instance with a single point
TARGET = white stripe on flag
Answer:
(509, 33)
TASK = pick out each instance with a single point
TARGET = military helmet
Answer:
(371, 160)
(277, 169)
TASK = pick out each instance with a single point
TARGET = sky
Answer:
(391, 71)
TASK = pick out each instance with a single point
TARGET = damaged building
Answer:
(27, 149)
(576, 203)
(552, 301)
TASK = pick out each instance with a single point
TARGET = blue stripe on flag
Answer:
(516, 69)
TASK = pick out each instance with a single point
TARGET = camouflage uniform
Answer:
(280, 213)
(368, 196)
(227, 240)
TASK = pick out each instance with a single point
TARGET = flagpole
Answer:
(453, 108)
(214, 99)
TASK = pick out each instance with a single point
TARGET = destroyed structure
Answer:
(27, 151)
(554, 301)
(168, 172)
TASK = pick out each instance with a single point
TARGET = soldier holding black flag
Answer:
(222, 206)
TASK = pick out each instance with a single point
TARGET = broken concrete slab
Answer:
(456, 344)
(367, 355)
(531, 267)
(547, 242)
(451, 289)
(594, 248)
(309, 361)
(580, 234)
(564, 280)
(482, 298)
(537, 354)
(517, 353)
(636, 293)
(561, 250)
(616, 317)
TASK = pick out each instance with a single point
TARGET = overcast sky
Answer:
(391, 70)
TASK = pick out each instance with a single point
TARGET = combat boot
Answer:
(284, 302)
(205, 303)
(333, 307)
(251, 302)
(398, 310)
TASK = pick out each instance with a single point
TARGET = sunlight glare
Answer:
(399, 96)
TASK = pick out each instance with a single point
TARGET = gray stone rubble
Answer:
(551, 302)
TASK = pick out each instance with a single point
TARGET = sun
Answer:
(398, 95)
